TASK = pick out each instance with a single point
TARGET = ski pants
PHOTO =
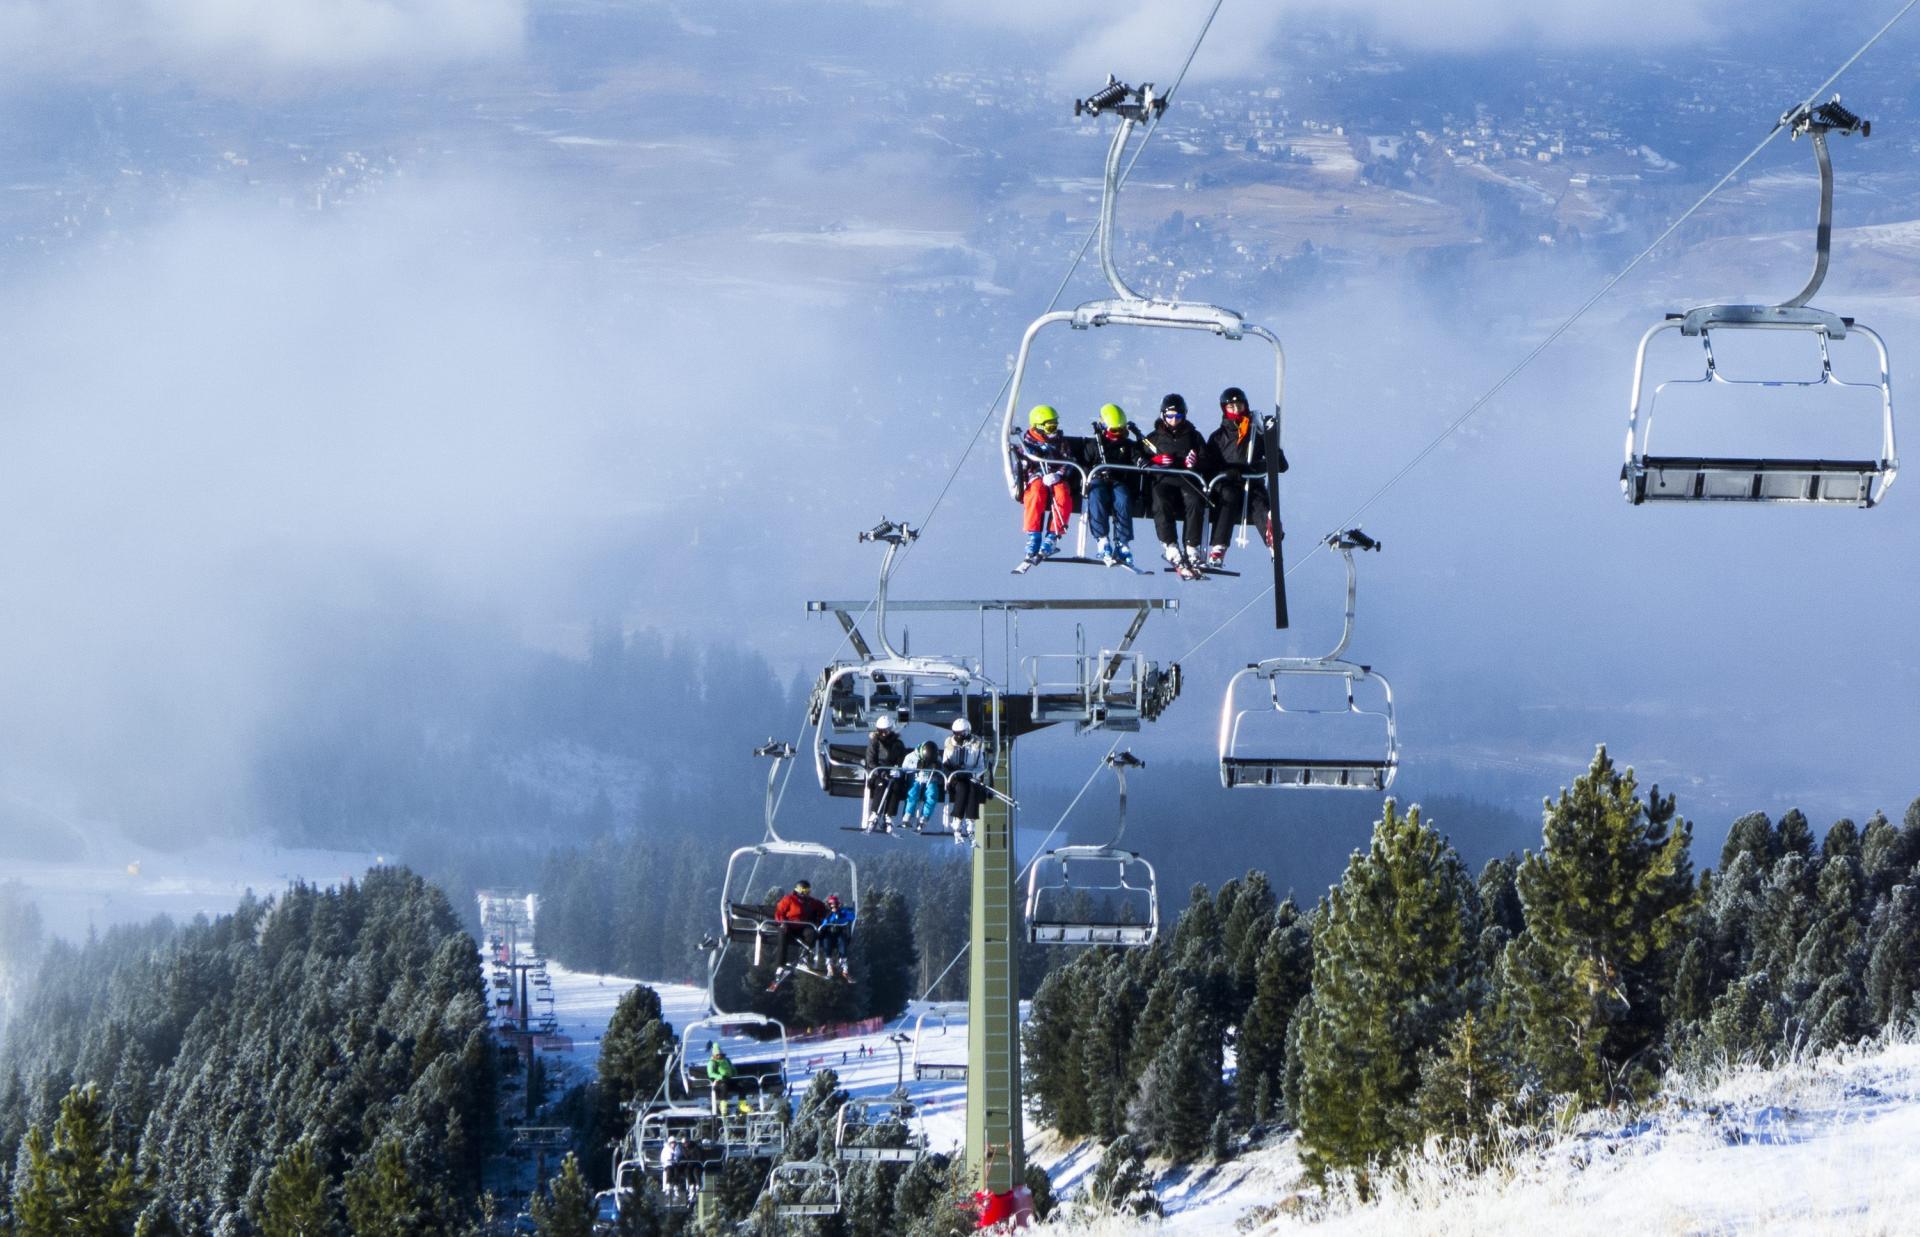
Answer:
(833, 943)
(1226, 509)
(968, 795)
(796, 930)
(1179, 498)
(922, 796)
(1044, 502)
(1110, 509)
(886, 787)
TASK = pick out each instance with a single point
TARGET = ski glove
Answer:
(1161, 461)
(1050, 478)
(1193, 457)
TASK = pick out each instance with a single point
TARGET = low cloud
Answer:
(241, 41)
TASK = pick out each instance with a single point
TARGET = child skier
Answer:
(928, 789)
(1046, 497)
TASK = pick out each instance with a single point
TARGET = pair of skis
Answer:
(785, 973)
(1034, 560)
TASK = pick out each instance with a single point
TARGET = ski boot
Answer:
(1217, 556)
(1049, 545)
(1106, 555)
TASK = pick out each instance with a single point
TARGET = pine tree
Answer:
(1883, 855)
(1281, 980)
(1606, 899)
(79, 1186)
(295, 1202)
(1111, 1060)
(1752, 834)
(1120, 1182)
(383, 1198)
(633, 1061)
(1843, 838)
(1180, 1094)
(566, 1209)
(1796, 835)
(1464, 1083)
(1893, 963)
(1393, 966)
(1053, 1042)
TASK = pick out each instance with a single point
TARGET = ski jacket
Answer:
(840, 918)
(1177, 443)
(885, 750)
(672, 1152)
(1100, 449)
(1050, 450)
(1239, 450)
(964, 755)
(799, 907)
(719, 1069)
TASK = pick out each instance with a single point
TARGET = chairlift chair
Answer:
(933, 1071)
(851, 695)
(800, 1188)
(860, 1116)
(1123, 882)
(765, 1075)
(1127, 307)
(1243, 765)
(752, 923)
(1848, 482)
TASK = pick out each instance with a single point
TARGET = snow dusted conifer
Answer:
(1281, 980)
(1181, 1094)
(1464, 1083)
(1893, 965)
(1053, 1041)
(1796, 835)
(1393, 961)
(1752, 834)
(566, 1209)
(78, 1184)
(1121, 1183)
(1607, 898)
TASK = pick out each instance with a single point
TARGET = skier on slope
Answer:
(1046, 496)
(1178, 447)
(1110, 495)
(886, 751)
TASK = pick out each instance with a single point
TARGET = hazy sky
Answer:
(537, 366)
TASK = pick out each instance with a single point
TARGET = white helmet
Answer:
(962, 726)
(883, 722)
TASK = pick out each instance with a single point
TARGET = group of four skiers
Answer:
(923, 778)
(1185, 479)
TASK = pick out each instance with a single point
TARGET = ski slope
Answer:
(1817, 1146)
(869, 1066)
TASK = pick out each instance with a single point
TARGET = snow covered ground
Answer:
(1819, 1146)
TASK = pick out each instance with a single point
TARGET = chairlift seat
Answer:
(927, 1071)
(807, 1209)
(1126, 934)
(1305, 771)
(1838, 483)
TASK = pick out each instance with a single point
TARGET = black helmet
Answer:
(1174, 403)
(1231, 394)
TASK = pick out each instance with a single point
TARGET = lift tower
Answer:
(1112, 689)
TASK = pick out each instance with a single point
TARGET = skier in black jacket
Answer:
(1240, 450)
(885, 752)
(1174, 444)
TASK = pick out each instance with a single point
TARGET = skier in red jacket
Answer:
(799, 915)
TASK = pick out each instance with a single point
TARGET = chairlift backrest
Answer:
(802, 1188)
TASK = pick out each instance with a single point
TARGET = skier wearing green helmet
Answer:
(1113, 449)
(1045, 494)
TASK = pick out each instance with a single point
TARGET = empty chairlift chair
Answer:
(934, 1071)
(801, 1188)
(1859, 481)
(881, 1131)
(1248, 755)
(1095, 895)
